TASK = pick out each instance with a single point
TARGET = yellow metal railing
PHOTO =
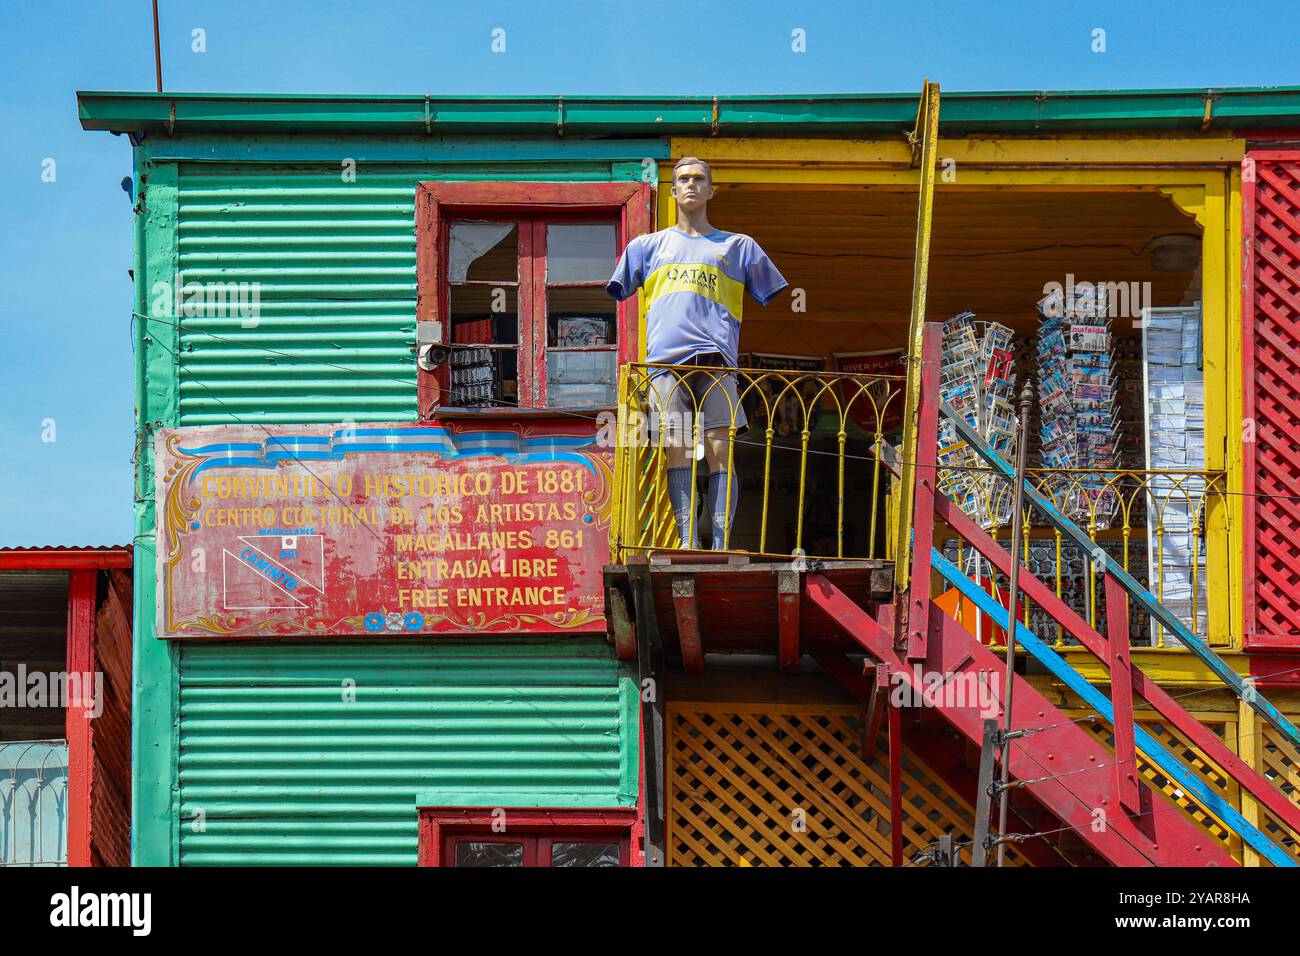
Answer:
(812, 444)
(1152, 522)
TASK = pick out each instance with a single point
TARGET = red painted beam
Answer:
(619, 622)
(844, 671)
(51, 559)
(788, 590)
(1275, 671)
(688, 623)
(81, 754)
(1053, 763)
(926, 476)
(1127, 789)
(1196, 732)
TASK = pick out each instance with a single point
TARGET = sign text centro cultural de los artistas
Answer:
(402, 529)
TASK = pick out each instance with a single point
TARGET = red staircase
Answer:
(1070, 790)
(1042, 759)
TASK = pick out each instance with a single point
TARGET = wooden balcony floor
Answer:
(734, 603)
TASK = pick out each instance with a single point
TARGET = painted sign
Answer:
(880, 405)
(459, 527)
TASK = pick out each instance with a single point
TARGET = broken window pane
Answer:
(584, 854)
(579, 252)
(483, 251)
(489, 854)
(484, 315)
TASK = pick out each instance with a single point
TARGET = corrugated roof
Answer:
(66, 557)
(832, 113)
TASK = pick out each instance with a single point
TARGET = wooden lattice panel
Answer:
(1279, 762)
(1271, 343)
(738, 774)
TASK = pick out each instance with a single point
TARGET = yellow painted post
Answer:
(925, 139)
(1222, 425)
(1248, 728)
(624, 507)
(1233, 600)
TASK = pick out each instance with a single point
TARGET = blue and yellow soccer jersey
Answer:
(694, 288)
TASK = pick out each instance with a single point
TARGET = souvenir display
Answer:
(1078, 402)
(977, 380)
(1077, 576)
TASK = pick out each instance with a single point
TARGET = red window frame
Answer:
(441, 828)
(437, 204)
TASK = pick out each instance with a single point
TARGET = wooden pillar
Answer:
(650, 672)
(895, 783)
(1249, 727)
(77, 714)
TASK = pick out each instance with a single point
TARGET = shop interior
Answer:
(995, 252)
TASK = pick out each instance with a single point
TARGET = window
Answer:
(495, 837)
(549, 277)
(513, 276)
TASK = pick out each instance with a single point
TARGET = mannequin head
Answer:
(692, 185)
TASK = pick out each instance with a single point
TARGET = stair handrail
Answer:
(1144, 598)
(1139, 683)
(1155, 751)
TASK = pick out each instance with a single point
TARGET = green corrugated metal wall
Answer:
(276, 766)
(256, 735)
(335, 266)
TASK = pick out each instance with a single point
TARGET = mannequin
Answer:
(694, 277)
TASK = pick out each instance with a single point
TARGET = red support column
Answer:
(895, 781)
(77, 713)
(877, 702)
(687, 606)
(788, 590)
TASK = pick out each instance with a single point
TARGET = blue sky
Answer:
(65, 246)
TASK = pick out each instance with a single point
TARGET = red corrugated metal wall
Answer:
(110, 788)
(1271, 344)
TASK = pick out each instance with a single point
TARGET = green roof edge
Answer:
(832, 113)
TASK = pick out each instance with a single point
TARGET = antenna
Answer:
(157, 47)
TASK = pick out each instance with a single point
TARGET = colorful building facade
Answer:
(411, 573)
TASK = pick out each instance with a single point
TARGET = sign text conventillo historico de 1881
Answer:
(402, 529)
